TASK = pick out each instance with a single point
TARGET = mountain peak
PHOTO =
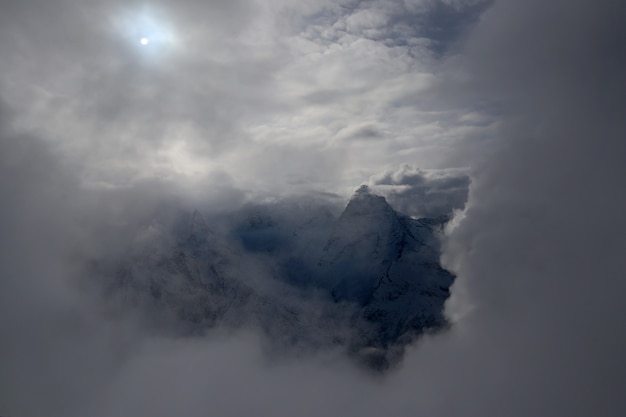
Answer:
(361, 248)
(365, 203)
(365, 193)
(363, 190)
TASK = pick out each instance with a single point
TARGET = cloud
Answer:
(424, 193)
(538, 252)
(543, 279)
(228, 79)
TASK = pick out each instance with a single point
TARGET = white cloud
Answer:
(230, 78)
(538, 252)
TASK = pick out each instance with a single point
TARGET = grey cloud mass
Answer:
(235, 101)
(421, 193)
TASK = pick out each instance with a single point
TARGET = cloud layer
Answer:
(273, 95)
(98, 134)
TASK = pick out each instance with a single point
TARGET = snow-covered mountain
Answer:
(389, 265)
(368, 281)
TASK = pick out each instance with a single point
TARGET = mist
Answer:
(515, 105)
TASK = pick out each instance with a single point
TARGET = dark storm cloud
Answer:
(538, 304)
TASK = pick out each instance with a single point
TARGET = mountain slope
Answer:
(368, 281)
(389, 265)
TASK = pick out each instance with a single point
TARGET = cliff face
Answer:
(389, 265)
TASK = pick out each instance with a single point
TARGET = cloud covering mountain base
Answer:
(368, 282)
(537, 306)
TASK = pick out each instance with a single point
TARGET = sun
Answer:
(146, 30)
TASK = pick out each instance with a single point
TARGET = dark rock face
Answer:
(389, 265)
(369, 281)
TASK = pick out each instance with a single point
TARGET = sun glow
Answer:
(145, 28)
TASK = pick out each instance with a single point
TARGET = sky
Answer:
(516, 105)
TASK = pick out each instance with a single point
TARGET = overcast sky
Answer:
(234, 100)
